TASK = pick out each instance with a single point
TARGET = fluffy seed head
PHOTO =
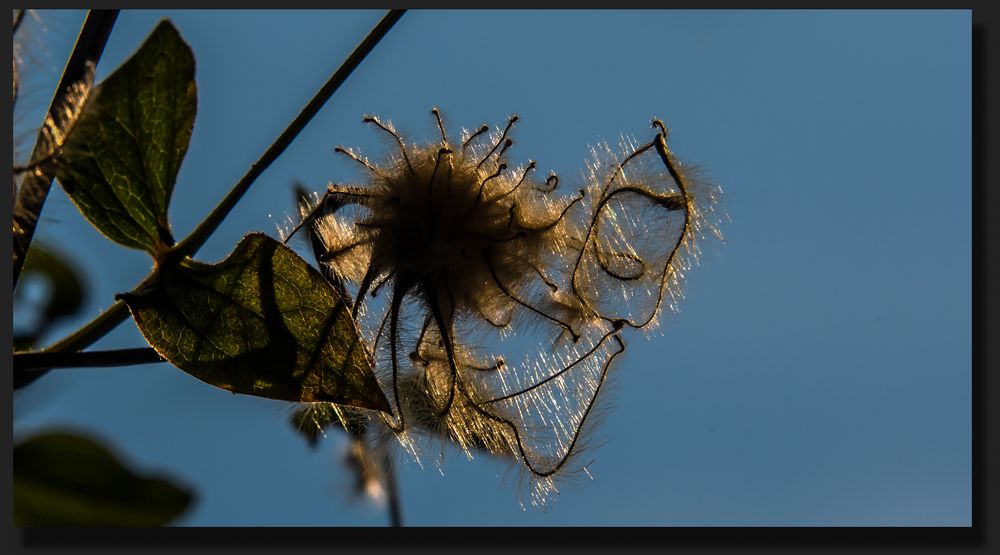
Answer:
(478, 256)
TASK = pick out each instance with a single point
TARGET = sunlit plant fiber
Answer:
(479, 258)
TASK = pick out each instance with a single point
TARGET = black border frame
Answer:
(979, 537)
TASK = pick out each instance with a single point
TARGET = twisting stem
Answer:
(192, 243)
(400, 288)
(35, 186)
(445, 328)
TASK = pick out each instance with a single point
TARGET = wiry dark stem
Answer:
(510, 123)
(36, 184)
(329, 255)
(670, 202)
(561, 372)
(366, 282)
(33, 362)
(576, 434)
(378, 334)
(334, 199)
(553, 223)
(382, 282)
(510, 294)
(431, 206)
(545, 278)
(481, 130)
(524, 175)
(28, 367)
(506, 144)
(449, 347)
(440, 124)
(350, 154)
(500, 325)
(392, 491)
(399, 141)
(494, 175)
(317, 244)
(192, 243)
(551, 182)
(423, 333)
(399, 291)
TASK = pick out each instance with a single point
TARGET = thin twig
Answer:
(35, 186)
(81, 338)
(192, 243)
(34, 362)
(392, 492)
(93, 330)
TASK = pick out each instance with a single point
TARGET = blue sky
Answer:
(819, 370)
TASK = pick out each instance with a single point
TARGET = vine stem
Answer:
(35, 187)
(26, 363)
(118, 312)
(193, 242)
(392, 491)
(81, 338)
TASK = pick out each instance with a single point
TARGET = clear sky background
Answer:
(819, 371)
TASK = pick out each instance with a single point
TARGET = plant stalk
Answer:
(392, 492)
(36, 184)
(40, 361)
(190, 245)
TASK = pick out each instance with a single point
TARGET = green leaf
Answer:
(262, 322)
(120, 161)
(62, 479)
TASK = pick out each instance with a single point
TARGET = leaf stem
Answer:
(94, 330)
(392, 492)
(42, 361)
(80, 339)
(193, 242)
(35, 187)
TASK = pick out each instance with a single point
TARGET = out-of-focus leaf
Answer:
(262, 322)
(62, 479)
(67, 287)
(33, 318)
(120, 162)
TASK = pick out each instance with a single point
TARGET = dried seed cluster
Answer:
(477, 256)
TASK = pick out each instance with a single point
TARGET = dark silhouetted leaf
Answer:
(120, 162)
(62, 479)
(262, 322)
